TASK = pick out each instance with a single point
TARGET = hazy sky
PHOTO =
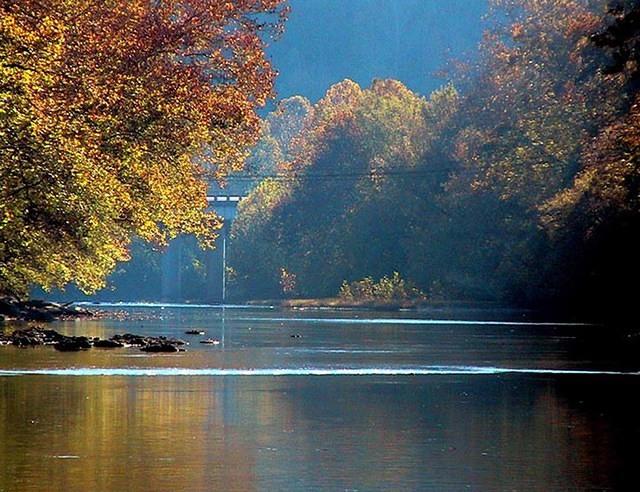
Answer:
(329, 40)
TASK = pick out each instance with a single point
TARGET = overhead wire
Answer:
(299, 176)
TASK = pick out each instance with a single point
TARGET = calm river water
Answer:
(357, 401)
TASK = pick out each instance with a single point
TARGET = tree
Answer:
(112, 113)
(522, 188)
(333, 213)
(257, 234)
(593, 221)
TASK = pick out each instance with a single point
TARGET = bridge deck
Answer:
(224, 198)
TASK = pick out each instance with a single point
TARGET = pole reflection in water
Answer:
(223, 325)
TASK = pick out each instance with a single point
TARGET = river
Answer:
(320, 400)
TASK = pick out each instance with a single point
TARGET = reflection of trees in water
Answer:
(610, 430)
(309, 433)
(490, 433)
(129, 433)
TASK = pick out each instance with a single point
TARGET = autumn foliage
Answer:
(519, 186)
(330, 212)
(112, 113)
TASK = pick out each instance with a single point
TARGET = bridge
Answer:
(225, 205)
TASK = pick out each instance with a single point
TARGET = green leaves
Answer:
(112, 114)
(332, 213)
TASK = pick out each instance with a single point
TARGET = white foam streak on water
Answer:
(409, 321)
(348, 351)
(275, 372)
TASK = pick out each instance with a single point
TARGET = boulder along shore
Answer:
(37, 310)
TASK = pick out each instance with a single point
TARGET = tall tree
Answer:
(347, 200)
(111, 114)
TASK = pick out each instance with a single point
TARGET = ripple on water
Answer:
(407, 321)
(275, 372)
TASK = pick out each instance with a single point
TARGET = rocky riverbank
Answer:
(41, 311)
(37, 336)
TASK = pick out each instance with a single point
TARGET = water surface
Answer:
(354, 402)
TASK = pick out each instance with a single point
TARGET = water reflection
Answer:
(127, 434)
(306, 434)
(465, 424)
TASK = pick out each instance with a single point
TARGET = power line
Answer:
(315, 177)
(302, 176)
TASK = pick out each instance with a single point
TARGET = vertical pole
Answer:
(224, 264)
(224, 278)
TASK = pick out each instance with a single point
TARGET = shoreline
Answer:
(417, 305)
(13, 310)
(439, 307)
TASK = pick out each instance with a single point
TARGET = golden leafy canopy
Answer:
(112, 113)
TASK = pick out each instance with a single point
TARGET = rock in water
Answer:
(33, 337)
(210, 341)
(130, 339)
(107, 344)
(194, 332)
(73, 344)
(36, 310)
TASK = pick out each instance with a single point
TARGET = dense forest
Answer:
(517, 183)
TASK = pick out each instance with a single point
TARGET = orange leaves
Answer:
(356, 167)
(116, 111)
(607, 184)
(536, 98)
(517, 30)
(583, 24)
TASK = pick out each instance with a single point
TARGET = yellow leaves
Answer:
(339, 100)
(538, 100)
(356, 150)
(107, 122)
(517, 30)
(606, 186)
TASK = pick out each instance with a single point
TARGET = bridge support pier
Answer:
(215, 263)
(171, 271)
(172, 261)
